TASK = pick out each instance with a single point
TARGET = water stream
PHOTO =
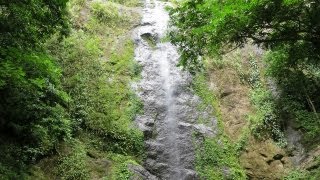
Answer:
(170, 107)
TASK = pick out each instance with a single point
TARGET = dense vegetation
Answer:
(33, 116)
(66, 66)
(64, 87)
(288, 30)
(216, 157)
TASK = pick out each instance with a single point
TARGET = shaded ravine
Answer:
(171, 109)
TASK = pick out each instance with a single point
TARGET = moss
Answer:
(165, 39)
(303, 174)
(216, 158)
(209, 99)
(98, 65)
(120, 166)
(129, 3)
(73, 163)
(149, 39)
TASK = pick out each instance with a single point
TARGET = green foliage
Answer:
(80, 3)
(72, 165)
(107, 13)
(265, 122)
(296, 175)
(299, 85)
(32, 105)
(52, 92)
(313, 174)
(310, 123)
(129, 3)
(287, 28)
(150, 40)
(10, 166)
(97, 71)
(243, 141)
(79, 57)
(209, 99)
(26, 24)
(213, 27)
(102, 99)
(33, 118)
(216, 158)
(32, 114)
(120, 166)
(110, 14)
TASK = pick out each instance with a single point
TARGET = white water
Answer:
(170, 107)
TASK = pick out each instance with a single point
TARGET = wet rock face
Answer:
(140, 173)
(265, 160)
(294, 137)
(170, 107)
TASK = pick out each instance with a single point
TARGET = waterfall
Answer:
(170, 107)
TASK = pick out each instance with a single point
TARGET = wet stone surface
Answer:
(171, 110)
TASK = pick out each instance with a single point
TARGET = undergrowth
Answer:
(72, 164)
(272, 108)
(310, 174)
(266, 121)
(97, 61)
(216, 157)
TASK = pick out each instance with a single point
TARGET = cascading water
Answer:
(170, 107)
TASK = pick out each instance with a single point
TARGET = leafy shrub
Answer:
(214, 28)
(120, 166)
(312, 174)
(266, 121)
(106, 12)
(299, 86)
(33, 102)
(216, 158)
(27, 25)
(130, 3)
(47, 99)
(72, 164)
(10, 166)
(98, 83)
(33, 116)
(296, 175)
(310, 123)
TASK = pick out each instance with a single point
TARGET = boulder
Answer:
(140, 173)
(265, 160)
